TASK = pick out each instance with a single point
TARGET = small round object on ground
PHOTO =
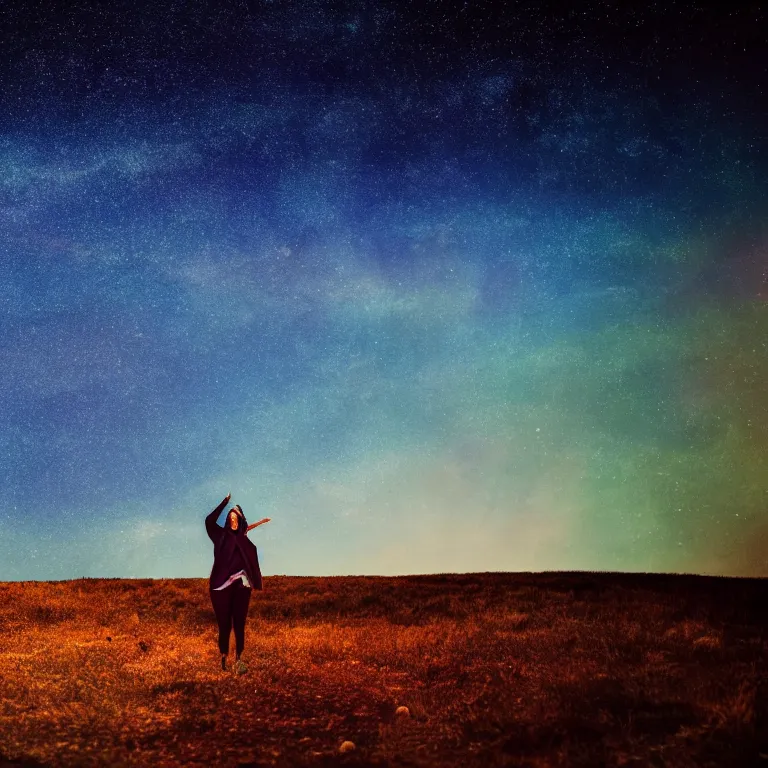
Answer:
(403, 712)
(346, 746)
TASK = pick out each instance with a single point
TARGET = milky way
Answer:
(462, 288)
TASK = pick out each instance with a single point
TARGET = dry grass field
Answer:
(496, 669)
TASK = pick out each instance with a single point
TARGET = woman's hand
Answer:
(227, 498)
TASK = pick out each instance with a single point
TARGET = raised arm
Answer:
(211, 528)
(261, 522)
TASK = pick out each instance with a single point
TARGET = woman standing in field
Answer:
(235, 572)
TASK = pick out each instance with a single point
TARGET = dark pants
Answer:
(231, 607)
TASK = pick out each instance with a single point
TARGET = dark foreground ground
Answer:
(496, 670)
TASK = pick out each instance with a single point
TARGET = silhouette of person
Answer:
(234, 574)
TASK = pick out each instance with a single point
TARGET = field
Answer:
(496, 669)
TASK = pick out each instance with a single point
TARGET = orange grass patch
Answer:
(495, 669)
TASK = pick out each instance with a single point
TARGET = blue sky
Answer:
(445, 308)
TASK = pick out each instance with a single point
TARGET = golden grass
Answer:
(496, 669)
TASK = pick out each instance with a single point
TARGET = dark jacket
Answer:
(232, 550)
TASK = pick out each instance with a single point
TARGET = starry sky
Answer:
(437, 287)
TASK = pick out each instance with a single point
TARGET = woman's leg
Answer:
(240, 599)
(222, 607)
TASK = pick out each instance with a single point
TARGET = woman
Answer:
(235, 572)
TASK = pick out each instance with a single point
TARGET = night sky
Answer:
(437, 287)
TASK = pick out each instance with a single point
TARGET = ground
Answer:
(496, 669)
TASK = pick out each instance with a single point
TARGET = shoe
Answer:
(240, 667)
